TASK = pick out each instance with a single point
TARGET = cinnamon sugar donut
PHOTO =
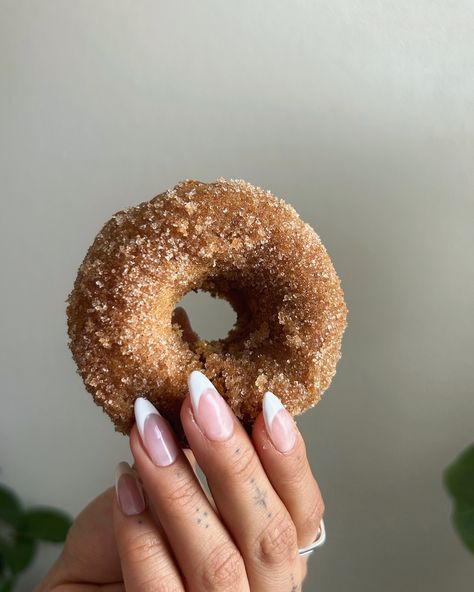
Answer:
(236, 242)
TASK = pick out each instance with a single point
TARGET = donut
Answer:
(237, 242)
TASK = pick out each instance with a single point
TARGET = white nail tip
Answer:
(143, 408)
(271, 406)
(197, 384)
(122, 468)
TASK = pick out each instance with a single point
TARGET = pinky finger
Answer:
(145, 556)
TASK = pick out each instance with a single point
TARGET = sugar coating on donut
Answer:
(237, 242)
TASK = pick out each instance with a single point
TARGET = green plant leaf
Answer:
(19, 553)
(459, 477)
(459, 481)
(463, 519)
(6, 583)
(10, 507)
(46, 524)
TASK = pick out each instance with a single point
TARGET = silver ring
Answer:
(319, 542)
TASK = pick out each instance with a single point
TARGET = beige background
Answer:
(361, 114)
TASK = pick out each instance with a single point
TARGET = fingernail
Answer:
(128, 490)
(155, 433)
(212, 413)
(279, 423)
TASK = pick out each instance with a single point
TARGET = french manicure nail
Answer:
(279, 423)
(128, 490)
(155, 433)
(212, 413)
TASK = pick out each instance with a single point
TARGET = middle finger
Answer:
(244, 496)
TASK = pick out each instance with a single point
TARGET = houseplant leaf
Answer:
(459, 481)
(46, 524)
(459, 476)
(463, 519)
(18, 553)
(10, 507)
(6, 583)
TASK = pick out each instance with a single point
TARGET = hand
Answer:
(265, 504)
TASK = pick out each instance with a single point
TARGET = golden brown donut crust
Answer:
(237, 242)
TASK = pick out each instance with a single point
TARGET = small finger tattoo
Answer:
(202, 517)
(294, 585)
(260, 495)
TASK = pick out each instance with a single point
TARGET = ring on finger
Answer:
(318, 542)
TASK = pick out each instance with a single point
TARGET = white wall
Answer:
(359, 113)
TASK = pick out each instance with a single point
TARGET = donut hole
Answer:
(212, 318)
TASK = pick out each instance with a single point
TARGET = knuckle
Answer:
(147, 554)
(278, 542)
(142, 547)
(182, 495)
(169, 584)
(299, 473)
(302, 470)
(297, 481)
(245, 465)
(223, 570)
(160, 583)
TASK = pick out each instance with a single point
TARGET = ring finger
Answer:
(282, 452)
